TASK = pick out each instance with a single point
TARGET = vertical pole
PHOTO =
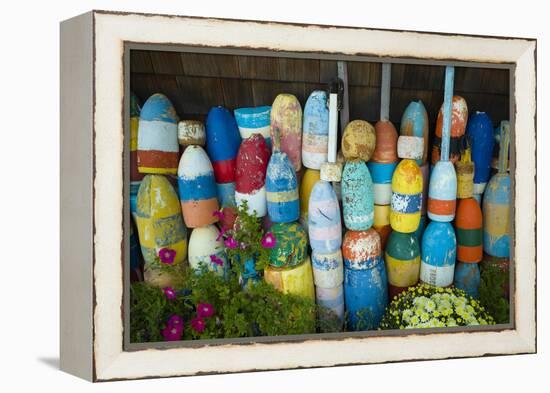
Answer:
(504, 146)
(447, 112)
(332, 127)
(385, 92)
(344, 112)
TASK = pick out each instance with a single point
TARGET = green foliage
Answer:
(248, 233)
(427, 306)
(260, 310)
(491, 292)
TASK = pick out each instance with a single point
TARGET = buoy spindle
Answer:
(447, 112)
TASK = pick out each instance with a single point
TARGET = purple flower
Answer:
(175, 321)
(222, 232)
(167, 255)
(170, 293)
(269, 240)
(198, 324)
(231, 243)
(219, 214)
(216, 260)
(205, 310)
(172, 333)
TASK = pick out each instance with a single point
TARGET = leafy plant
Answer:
(494, 280)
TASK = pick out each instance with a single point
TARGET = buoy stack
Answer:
(135, 176)
(439, 240)
(286, 127)
(289, 267)
(496, 208)
(365, 281)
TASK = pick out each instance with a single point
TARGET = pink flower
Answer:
(167, 255)
(172, 333)
(219, 214)
(198, 324)
(216, 260)
(231, 243)
(175, 321)
(170, 293)
(205, 310)
(222, 232)
(269, 240)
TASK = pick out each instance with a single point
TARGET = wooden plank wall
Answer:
(196, 82)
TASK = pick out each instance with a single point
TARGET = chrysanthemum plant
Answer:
(426, 306)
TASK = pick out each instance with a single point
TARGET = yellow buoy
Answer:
(310, 177)
(297, 280)
(406, 201)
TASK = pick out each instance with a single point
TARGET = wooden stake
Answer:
(385, 92)
(447, 112)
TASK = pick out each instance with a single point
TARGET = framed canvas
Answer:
(105, 55)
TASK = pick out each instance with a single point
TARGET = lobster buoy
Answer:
(406, 199)
(365, 279)
(309, 178)
(158, 220)
(496, 204)
(442, 192)
(438, 254)
(291, 247)
(135, 176)
(324, 223)
(296, 280)
(191, 132)
(286, 121)
(328, 269)
(357, 196)
(222, 143)
(458, 129)
(480, 132)
(465, 175)
(315, 126)
(402, 262)
(254, 120)
(206, 250)
(157, 145)
(414, 122)
(281, 184)
(469, 230)
(385, 151)
(381, 177)
(382, 223)
(358, 140)
(252, 161)
(197, 188)
(467, 277)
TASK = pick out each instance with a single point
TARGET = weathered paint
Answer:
(385, 151)
(252, 161)
(358, 140)
(442, 192)
(255, 120)
(496, 216)
(197, 188)
(191, 132)
(297, 280)
(325, 226)
(315, 126)
(467, 277)
(309, 179)
(381, 177)
(291, 246)
(465, 175)
(402, 262)
(357, 196)
(458, 128)
(366, 295)
(438, 254)
(496, 203)
(411, 147)
(283, 204)
(135, 109)
(331, 171)
(286, 127)
(468, 225)
(158, 219)
(205, 244)
(158, 149)
(480, 132)
(361, 249)
(250, 275)
(382, 223)
(414, 122)
(328, 269)
(331, 299)
(406, 200)
(222, 143)
(226, 194)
